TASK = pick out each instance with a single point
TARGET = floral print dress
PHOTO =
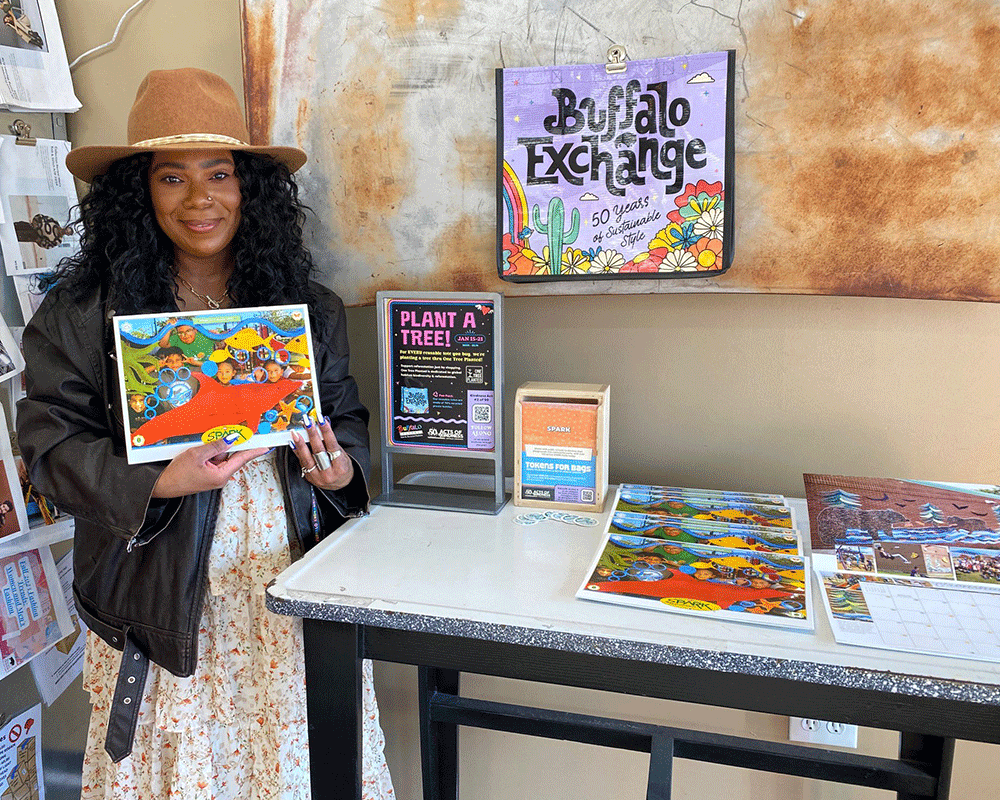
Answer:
(236, 729)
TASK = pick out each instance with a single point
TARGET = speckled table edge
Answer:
(760, 666)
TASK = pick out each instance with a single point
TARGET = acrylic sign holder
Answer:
(441, 392)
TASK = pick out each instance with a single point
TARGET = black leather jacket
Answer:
(140, 564)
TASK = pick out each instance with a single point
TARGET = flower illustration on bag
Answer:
(645, 262)
(696, 199)
(607, 261)
(540, 261)
(574, 262)
(709, 223)
(679, 261)
(708, 253)
(675, 236)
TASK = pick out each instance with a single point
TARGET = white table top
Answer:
(488, 577)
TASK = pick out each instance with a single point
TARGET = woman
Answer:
(171, 560)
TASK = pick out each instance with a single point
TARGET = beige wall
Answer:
(729, 391)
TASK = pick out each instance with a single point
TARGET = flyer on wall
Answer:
(34, 71)
(195, 378)
(441, 373)
(33, 612)
(37, 193)
(56, 668)
(21, 757)
(616, 174)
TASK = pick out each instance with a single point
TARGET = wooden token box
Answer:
(561, 445)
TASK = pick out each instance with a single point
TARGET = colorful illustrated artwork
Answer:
(866, 510)
(706, 509)
(725, 583)
(637, 490)
(193, 379)
(616, 175)
(694, 531)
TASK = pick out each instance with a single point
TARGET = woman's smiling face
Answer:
(196, 199)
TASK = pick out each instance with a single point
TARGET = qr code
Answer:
(482, 413)
(587, 495)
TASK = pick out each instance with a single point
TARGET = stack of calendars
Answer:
(717, 554)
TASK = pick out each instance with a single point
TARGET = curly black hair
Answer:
(123, 248)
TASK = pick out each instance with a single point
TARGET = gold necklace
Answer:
(209, 301)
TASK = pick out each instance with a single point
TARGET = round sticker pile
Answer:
(534, 517)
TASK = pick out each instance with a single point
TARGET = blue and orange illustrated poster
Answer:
(616, 175)
(441, 374)
(195, 378)
(754, 586)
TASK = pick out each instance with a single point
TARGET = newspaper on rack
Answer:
(34, 72)
(36, 193)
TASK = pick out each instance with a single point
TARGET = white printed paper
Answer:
(21, 757)
(36, 193)
(57, 667)
(34, 71)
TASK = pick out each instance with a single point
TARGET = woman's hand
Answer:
(314, 452)
(201, 468)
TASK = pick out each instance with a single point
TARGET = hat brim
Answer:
(89, 161)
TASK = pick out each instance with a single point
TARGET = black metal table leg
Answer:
(661, 768)
(333, 702)
(936, 754)
(438, 740)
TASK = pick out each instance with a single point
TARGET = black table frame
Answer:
(928, 726)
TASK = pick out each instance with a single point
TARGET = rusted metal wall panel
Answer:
(867, 134)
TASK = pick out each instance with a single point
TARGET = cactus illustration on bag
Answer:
(553, 229)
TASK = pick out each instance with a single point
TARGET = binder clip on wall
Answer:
(617, 59)
(22, 130)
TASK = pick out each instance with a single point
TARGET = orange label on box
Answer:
(558, 444)
(559, 424)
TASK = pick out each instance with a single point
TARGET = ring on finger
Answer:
(336, 454)
(305, 470)
(323, 459)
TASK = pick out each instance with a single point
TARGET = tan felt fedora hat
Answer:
(179, 109)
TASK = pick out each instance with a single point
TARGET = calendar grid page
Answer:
(919, 616)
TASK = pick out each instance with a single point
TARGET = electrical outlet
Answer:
(818, 731)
